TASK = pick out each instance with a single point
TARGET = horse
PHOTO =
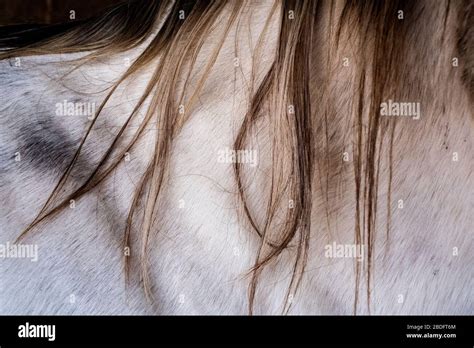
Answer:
(240, 157)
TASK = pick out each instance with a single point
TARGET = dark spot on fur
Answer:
(47, 147)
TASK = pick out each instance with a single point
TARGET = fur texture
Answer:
(204, 249)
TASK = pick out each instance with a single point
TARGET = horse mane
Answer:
(175, 32)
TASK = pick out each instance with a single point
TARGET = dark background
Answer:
(50, 11)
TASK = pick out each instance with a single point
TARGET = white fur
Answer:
(203, 250)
